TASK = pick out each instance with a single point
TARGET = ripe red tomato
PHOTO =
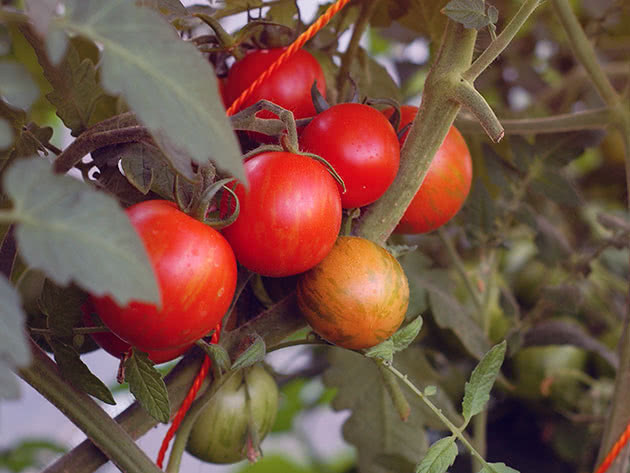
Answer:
(360, 144)
(290, 217)
(357, 296)
(196, 272)
(289, 86)
(116, 347)
(445, 186)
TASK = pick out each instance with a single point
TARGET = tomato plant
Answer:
(196, 272)
(289, 86)
(290, 216)
(357, 296)
(362, 147)
(221, 433)
(445, 186)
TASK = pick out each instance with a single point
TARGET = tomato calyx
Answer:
(319, 102)
(283, 125)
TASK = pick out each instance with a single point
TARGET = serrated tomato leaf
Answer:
(218, 355)
(178, 99)
(74, 233)
(62, 306)
(477, 389)
(439, 457)
(470, 13)
(77, 373)
(147, 385)
(497, 468)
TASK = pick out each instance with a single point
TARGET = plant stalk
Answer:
(77, 406)
(435, 116)
(502, 40)
(583, 50)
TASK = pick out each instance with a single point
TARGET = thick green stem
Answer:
(502, 40)
(468, 97)
(435, 116)
(77, 406)
(480, 424)
(595, 119)
(583, 50)
(367, 8)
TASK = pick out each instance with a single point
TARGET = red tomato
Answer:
(116, 347)
(362, 146)
(196, 271)
(446, 185)
(289, 86)
(290, 217)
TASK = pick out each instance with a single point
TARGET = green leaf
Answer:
(497, 468)
(14, 347)
(6, 134)
(218, 355)
(31, 140)
(62, 305)
(439, 457)
(559, 149)
(372, 78)
(555, 186)
(254, 353)
(477, 390)
(29, 454)
(147, 385)
(165, 6)
(430, 391)
(166, 81)
(77, 373)
(73, 232)
(17, 86)
(449, 313)
(146, 168)
(480, 210)
(374, 426)
(421, 16)
(382, 351)
(75, 89)
(470, 13)
(407, 334)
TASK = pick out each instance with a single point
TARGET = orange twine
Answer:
(615, 450)
(290, 51)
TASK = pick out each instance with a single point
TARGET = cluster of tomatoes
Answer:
(350, 290)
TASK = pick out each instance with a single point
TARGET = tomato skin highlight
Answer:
(289, 86)
(357, 296)
(445, 186)
(360, 144)
(196, 272)
(290, 217)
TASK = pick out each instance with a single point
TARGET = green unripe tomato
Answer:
(220, 433)
(535, 366)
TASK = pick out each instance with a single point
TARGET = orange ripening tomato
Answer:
(357, 296)
(445, 186)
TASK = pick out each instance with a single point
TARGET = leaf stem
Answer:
(110, 437)
(468, 97)
(502, 40)
(76, 330)
(296, 343)
(583, 50)
(595, 119)
(367, 8)
(438, 412)
(461, 270)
